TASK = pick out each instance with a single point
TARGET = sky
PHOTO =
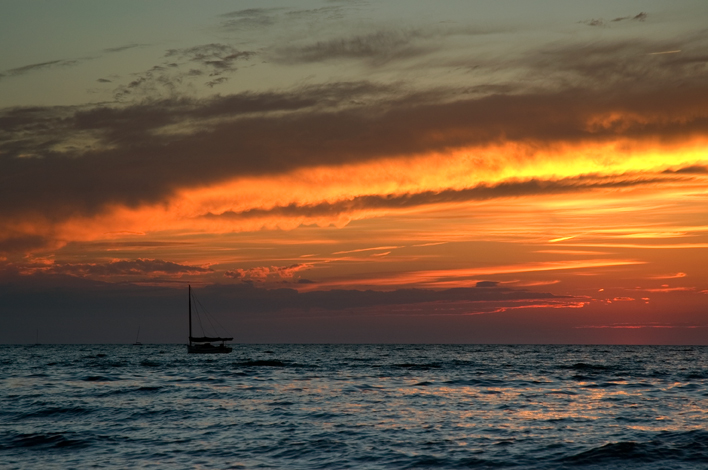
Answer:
(321, 171)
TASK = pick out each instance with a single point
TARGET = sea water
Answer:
(354, 406)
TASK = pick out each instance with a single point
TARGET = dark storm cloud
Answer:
(532, 187)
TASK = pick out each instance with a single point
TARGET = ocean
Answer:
(354, 406)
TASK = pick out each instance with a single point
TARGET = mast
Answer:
(189, 294)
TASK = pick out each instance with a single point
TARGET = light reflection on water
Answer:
(285, 406)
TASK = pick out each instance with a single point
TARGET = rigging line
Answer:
(211, 317)
(207, 315)
(196, 310)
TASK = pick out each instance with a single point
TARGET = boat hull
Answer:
(208, 349)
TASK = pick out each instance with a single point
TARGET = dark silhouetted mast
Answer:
(189, 294)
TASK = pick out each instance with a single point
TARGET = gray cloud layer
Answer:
(246, 298)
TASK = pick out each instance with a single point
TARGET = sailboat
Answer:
(202, 344)
(137, 343)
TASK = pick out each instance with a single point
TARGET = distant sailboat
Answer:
(137, 343)
(202, 344)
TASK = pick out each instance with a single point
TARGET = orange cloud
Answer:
(465, 277)
(669, 276)
(261, 273)
(367, 249)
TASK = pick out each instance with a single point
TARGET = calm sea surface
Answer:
(343, 406)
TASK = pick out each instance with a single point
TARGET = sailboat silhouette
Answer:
(137, 343)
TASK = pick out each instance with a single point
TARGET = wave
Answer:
(39, 440)
(582, 366)
(418, 366)
(261, 363)
(55, 412)
(271, 363)
(690, 446)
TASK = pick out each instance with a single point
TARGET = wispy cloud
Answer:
(62, 63)
(263, 273)
(125, 47)
(137, 267)
(377, 48)
(42, 66)
(470, 276)
(210, 63)
(669, 276)
(378, 248)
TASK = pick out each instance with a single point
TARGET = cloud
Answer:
(511, 189)
(462, 277)
(169, 77)
(254, 299)
(600, 22)
(378, 248)
(41, 66)
(692, 169)
(82, 161)
(248, 18)
(22, 243)
(137, 267)
(59, 63)
(639, 17)
(669, 276)
(257, 18)
(217, 58)
(634, 326)
(87, 296)
(377, 48)
(486, 284)
(65, 162)
(594, 22)
(263, 273)
(126, 47)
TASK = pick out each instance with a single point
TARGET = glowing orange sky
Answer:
(572, 177)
